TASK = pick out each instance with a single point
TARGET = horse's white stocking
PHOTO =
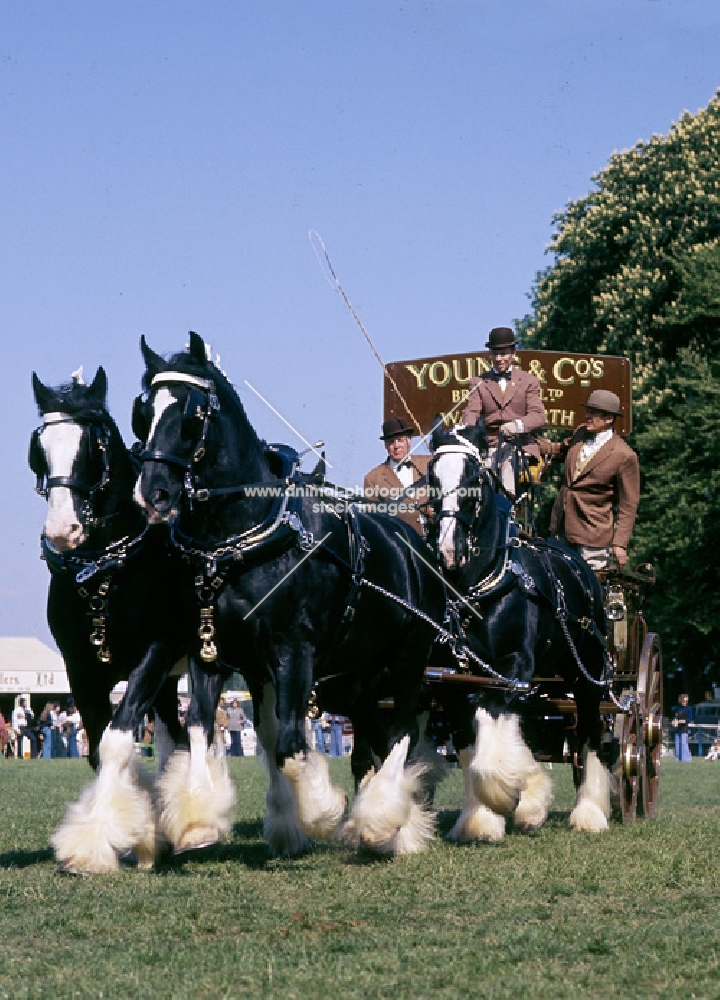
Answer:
(592, 808)
(502, 764)
(195, 795)
(535, 800)
(320, 805)
(113, 815)
(390, 814)
(476, 821)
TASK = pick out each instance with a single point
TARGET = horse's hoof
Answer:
(68, 868)
(196, 838)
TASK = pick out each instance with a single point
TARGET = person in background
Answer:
(595, 510)
(336, 735)
(221, 723)
(45, 725)
(3, 735)
(236, 723)
(508, 400)
(23, 722)
(72, 723)
(316, 726)
(681, 718)
(400, 471)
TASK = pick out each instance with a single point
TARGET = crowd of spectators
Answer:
(56, 732)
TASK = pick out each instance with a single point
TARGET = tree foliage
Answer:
(636, 272)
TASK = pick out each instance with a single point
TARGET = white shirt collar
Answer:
(594, 443)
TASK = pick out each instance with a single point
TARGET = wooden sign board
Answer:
(440, 384)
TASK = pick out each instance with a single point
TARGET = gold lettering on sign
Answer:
(419, 374)
(451, 418)
(548, 395)
(463, 380)
(585, 369)
(537, 370)
(483, 365)
(558, 369)
(444, 378)
(458, 395)
(561, 418)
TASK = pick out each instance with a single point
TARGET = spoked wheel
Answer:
(650, 702)
(632, 762)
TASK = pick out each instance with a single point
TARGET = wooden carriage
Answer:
(633, 711)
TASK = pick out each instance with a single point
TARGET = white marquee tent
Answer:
(28, 666)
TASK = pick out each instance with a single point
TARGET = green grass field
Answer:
(631, 913)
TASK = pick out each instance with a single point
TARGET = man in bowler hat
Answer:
(595, 510)
(387, 482)
(508, 400)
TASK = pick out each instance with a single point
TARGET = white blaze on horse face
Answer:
(60, 441)
(162, 399)
(449, 470)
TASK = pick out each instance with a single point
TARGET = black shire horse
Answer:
(113, 610)
(307, 597)
(530, 609)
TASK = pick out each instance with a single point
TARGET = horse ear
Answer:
(43, 395)
(197, 347)
(153, 362)
(437, 430)
(97, 390)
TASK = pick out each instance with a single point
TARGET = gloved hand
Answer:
(509, 428)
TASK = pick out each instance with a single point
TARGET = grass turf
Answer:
(630, 913)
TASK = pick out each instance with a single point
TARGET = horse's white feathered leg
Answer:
(195, 795)
(390, 814)
(502, 764)
(476, 821)
(320, 805)
(592, 807)
(535, 800)
(113, 815)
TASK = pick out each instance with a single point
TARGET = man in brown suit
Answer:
(596, 507)
(386, 482)
(508, 399)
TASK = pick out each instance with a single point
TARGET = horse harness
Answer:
(91, 572)
(508, 571)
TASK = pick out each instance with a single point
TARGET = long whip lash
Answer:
(313, 236)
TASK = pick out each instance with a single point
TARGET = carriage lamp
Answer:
(616, 611)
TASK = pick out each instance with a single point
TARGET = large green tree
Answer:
(636, 272)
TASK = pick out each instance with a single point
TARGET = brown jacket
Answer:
(597, 507)
(383, 478)
(520, 401)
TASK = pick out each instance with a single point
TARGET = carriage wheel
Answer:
(650, 700)
(632, 762)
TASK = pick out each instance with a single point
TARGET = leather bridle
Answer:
(38, 463)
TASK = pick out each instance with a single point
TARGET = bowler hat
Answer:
(603, 399)
(394, 427)
(500, 336)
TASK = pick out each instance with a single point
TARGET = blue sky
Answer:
(163, 163)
